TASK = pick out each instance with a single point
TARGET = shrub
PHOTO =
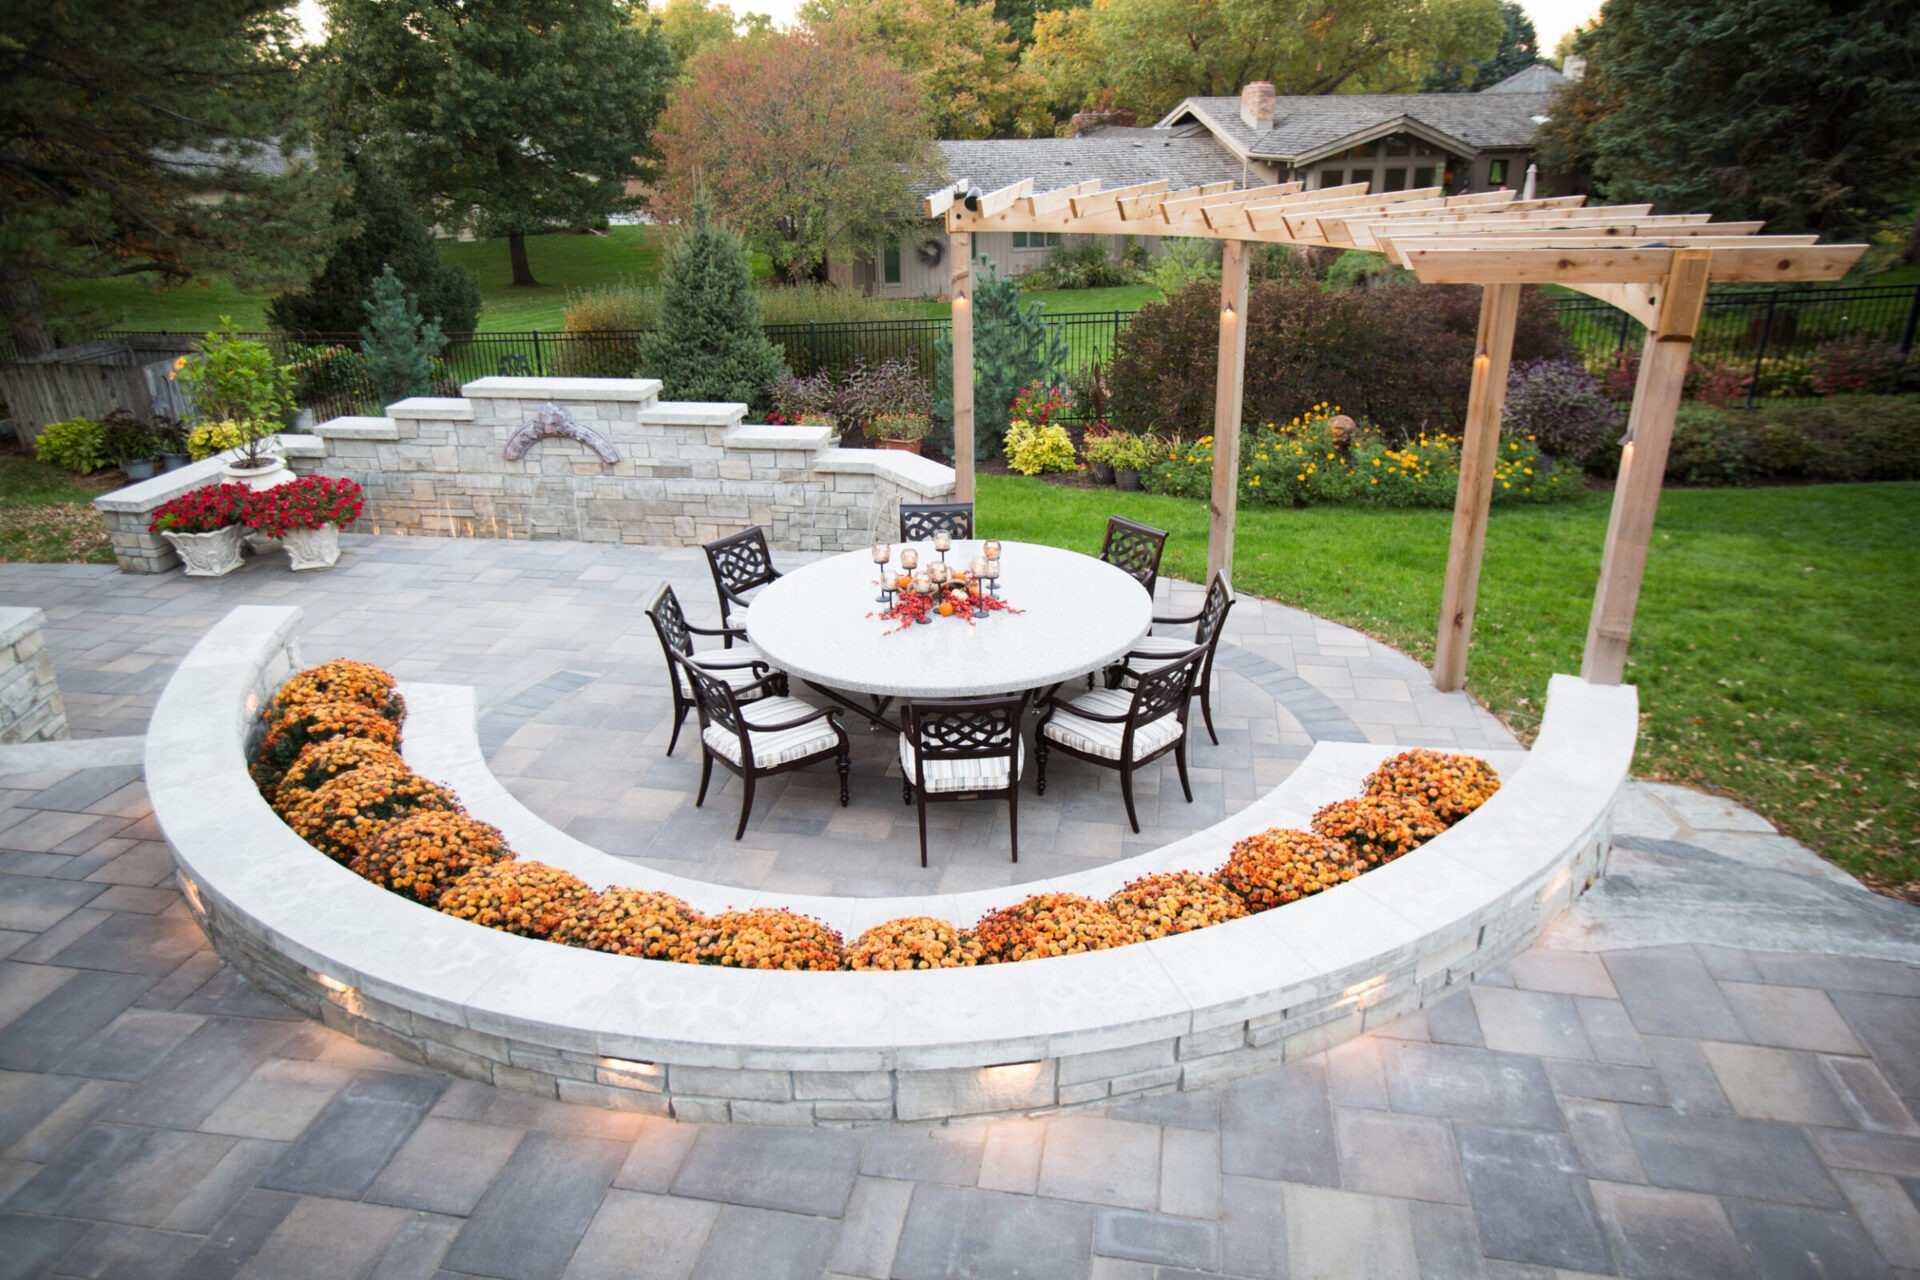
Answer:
(768, 939)
(1187, 261)
(209, 438)
(1710, 446)
(1450, 785)
(891, 389)
(1014, 346)
(78, 445)
(203, 510)
(900, 426)
(1841, 438)
(1174, 902)
(1857, 365)
(1358, 269)
(332, 380)
(127, 438)
(321, 762)
(419, 856)
(605, 326)
(400, 348)
(343, 816)
(709, 344)
(635, 922)
(810, 302)
(1085, 265)
(1562, 407)
(1033, 448)
(1378, 828)
(530, 899)
(913, 942)
(235, 379)
(1050, 924)
(1126, 451)
(291, 732)
(306, 503)
(341, 680)
(1281, 865)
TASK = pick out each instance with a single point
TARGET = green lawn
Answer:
(1774, 648)
(46, 516)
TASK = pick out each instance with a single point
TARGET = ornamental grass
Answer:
(1282, 865)
(1174, 902)
(913, 942)
(1450, 785)
(635, 922)
(307, 723)
(1050, 924)
(321, 762)
(418, 856)
(769, 939)
(530, 899)
(341, 681)
(1379, 828)
(342, 818)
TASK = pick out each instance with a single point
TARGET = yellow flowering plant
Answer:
(1050, 924)
(635, 922)
(913, 942)
(768, 938)
(1174, 902)
(531, 899)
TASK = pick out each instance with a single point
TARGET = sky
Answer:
(1551, 18)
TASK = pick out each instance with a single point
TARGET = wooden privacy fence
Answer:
(90, 381)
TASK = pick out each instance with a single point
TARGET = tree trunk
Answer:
(1912, 253)
(20, 306)
(517, 254)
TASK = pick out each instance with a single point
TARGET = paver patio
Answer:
(1709, 1067)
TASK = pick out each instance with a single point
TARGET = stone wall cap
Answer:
(775, 436)
(302, 445)
(572, 390)
(358, 429)
(910, 471)
(693, 413)
(16, 624)
(437, 408)
(138, 499)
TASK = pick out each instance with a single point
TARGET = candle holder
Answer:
(992, 573)
(909, 559)
(942, 542)
(882, 553)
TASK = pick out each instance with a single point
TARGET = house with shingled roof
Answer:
(1460, 141)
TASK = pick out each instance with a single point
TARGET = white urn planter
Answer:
(270, 474)
(207, 555)
(313, 548)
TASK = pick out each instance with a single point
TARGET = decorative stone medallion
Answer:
(551, 420)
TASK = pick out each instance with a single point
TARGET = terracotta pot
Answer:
(904, 446)
(313, 548)
(207, 555)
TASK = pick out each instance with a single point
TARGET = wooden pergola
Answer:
(1654, 267)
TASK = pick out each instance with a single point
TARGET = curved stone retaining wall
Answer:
(721, 1044)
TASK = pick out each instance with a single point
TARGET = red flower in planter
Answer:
(205, 510)
(306, 503)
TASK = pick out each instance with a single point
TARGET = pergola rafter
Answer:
(1656, 267)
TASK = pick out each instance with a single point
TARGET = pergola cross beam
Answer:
(1657, 267)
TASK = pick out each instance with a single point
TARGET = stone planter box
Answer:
(800, 1048)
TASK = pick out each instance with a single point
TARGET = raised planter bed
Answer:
(723, 1044)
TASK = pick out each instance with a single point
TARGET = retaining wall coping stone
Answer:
(301, 445)
(635, 390)
(263, 879)
(16, 624)
(434, 408)
(693, 413)
(359, 429)
(775, 436)
(910, 471)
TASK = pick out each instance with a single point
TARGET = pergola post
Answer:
(1228, 397)
(1643, 464)
(960, 253)
(1479, 457)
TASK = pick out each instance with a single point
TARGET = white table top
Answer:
(1078, 614)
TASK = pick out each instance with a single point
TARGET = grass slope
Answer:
(1774, 648)
(46, 516)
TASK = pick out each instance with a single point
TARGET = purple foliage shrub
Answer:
(1562, 408)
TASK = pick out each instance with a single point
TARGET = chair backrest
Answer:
(670, 623)
(1135, 548)
(715, 699)
(920, 521)
(1213, 614)
(965, 728)
(740, 562)
(1164, 690)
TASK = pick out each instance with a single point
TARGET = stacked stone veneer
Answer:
(30, 705)
(686, 472)
(827, 1048)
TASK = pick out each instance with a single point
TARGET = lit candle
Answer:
(941, 541)
(992, 550)
(909, 558)
(882, 552)
(922, 584)
(979, 568)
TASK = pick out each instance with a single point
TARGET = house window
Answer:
(1362, 175)
(1035, 239)
(1396, 180)
(1330, 177)
(890, 273)
(1496, 173)
(1399, 147)
(1423, 176)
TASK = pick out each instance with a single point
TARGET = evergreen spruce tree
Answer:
(1014, 347)
(399, 346)
(389, 233)
(710, 344)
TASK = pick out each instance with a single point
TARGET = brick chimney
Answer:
(1256, 106)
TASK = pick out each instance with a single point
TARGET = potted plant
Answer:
(899, 430)
(131, 444)
(306, 515)
(236, 388)
(204, 528)
(1098, 453)
(171, 437)
(1129, 455)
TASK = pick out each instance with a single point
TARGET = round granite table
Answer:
(822, 624)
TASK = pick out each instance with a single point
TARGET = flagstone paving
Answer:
(1710, 1067)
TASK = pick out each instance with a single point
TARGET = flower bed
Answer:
(343, 792)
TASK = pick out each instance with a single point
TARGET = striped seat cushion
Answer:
(775, 746)
(1097, 737)
(720, 662)
(961, 775)
(737, 618)
(1162, 646)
